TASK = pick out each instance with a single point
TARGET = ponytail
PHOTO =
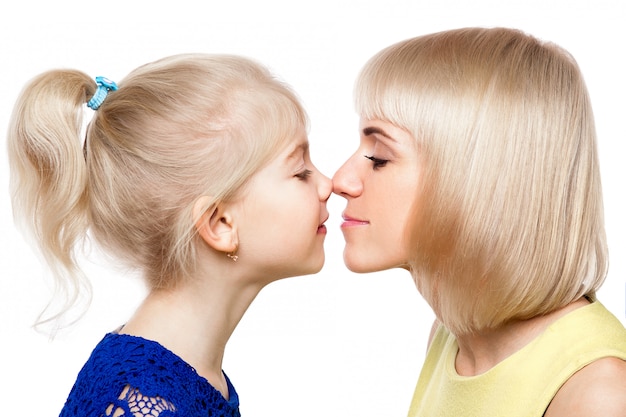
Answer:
(49, 175)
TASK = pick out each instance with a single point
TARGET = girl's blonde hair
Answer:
(176, 129)
(508, 222)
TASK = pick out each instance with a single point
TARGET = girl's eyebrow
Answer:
(299, 148)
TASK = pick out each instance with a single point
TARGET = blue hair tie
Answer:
(104, 86)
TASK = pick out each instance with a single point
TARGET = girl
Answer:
(195, 171)
(477, 171)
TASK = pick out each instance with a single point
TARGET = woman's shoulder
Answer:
(598, 389)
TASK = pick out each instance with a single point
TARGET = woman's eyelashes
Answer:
(304, 175)
(377, 162)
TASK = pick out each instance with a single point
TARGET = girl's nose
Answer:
(324, 187)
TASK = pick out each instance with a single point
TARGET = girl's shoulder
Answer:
(132, 376)
(122, 372)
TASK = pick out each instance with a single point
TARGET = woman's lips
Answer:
(352, 222)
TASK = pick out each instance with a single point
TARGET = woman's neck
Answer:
(481, 351)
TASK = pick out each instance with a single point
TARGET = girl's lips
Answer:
(321, 229)
(351, 222)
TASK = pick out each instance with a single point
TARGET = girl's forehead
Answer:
(296, 141)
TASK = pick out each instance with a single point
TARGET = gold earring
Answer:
(232, 255)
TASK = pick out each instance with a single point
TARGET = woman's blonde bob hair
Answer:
(176, 129)
(508, 222)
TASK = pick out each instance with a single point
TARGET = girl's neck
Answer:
(194, 321)
(480, 352)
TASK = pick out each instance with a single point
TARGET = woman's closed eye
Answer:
(377, 162)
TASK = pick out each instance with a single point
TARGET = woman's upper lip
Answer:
(349, 218)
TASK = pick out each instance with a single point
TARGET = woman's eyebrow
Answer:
(372, 130)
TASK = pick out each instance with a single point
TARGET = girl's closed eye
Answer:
(378, 163)
(304, 175)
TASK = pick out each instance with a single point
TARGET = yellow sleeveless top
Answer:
(525, 382)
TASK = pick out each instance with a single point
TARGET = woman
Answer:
(196, 172)
(477, 171)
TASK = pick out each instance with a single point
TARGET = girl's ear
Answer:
(215, 224)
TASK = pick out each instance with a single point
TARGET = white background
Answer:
(333, 344)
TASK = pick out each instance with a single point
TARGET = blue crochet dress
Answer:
(128, 376)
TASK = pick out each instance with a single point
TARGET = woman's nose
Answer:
(346, 182)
